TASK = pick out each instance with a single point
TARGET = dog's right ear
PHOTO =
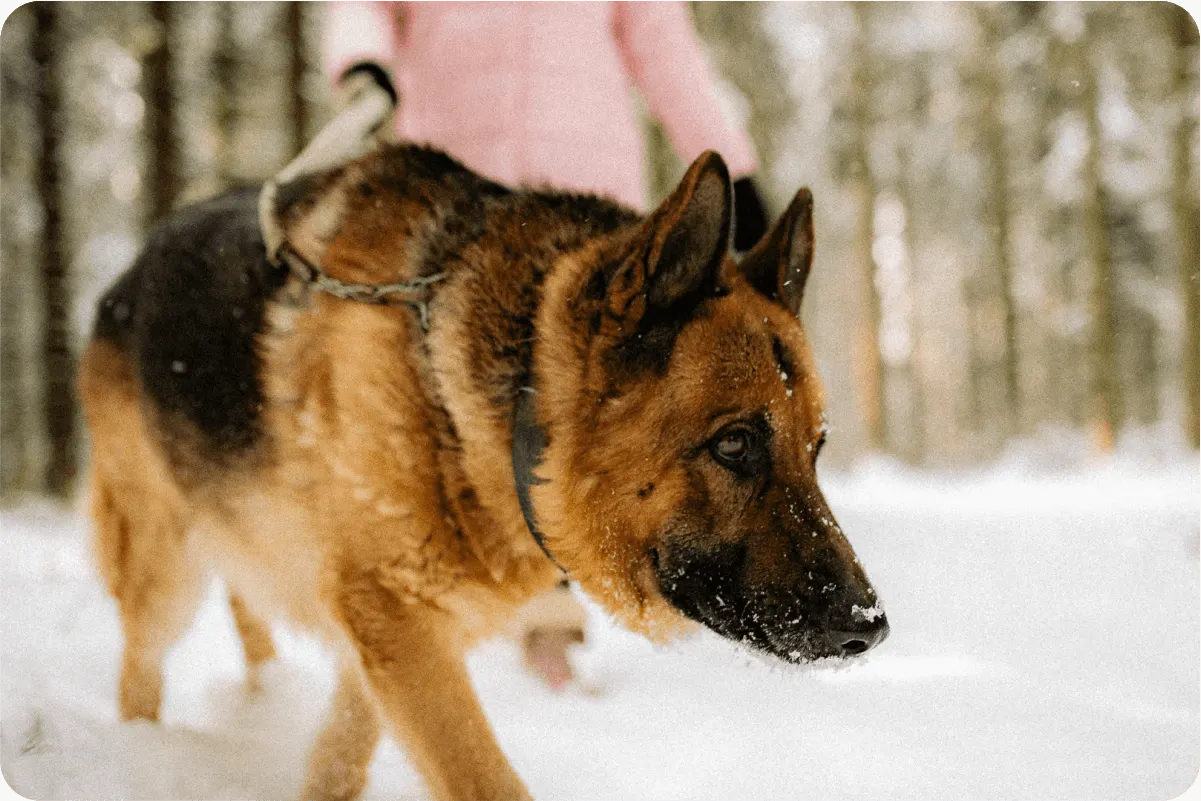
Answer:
(779, 263)
(674, 260)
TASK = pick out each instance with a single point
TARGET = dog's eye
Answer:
(732, 446)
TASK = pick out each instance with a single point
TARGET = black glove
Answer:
(373, 71)
(750, 218)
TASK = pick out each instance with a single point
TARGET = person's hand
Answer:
(360, 75)
(359, 78)
(750, 217)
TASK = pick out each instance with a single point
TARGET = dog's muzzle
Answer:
(797, 624)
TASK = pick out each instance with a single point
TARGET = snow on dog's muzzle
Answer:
(863, 630)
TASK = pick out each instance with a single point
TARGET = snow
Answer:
(1044, 644)
(867, 614)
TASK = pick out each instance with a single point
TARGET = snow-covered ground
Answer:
(1044, 645)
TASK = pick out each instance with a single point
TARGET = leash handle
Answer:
(347, 136)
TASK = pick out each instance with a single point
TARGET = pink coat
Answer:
(539, 92)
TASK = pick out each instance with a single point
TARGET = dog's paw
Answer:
(254, 678)
(260, 675)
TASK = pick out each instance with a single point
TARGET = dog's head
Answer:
(685, 418)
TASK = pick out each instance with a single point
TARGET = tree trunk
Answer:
(915, 443)
(1105, 404)
(14, 412)
(865, 345)
(225, 73)
(997, 212)
(1188, 233)
(294, 19)
(57, 360)
(159, 80)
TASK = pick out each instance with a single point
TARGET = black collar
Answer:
(529, 442)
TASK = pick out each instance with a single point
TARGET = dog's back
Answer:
(186, 315)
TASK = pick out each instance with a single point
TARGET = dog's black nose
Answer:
(861, 639)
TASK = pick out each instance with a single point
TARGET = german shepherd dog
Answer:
(570, 387)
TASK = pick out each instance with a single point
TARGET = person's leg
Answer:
(547, 627)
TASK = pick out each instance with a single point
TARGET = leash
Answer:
(347, 136)
(350, 134)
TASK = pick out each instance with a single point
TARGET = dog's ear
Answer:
(779, 264)
(676, 256)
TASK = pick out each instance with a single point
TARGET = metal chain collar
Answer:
(366, 293)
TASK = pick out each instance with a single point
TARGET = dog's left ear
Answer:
(678, 252)
(779, 264)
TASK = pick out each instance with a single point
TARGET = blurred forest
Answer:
(1007, 199)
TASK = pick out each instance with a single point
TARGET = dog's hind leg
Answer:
(141, 545)
(340, 757)
(140, 528)
(157, 603)
(417, 674)
(255, 636)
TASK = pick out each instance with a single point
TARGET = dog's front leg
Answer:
(416, 672)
